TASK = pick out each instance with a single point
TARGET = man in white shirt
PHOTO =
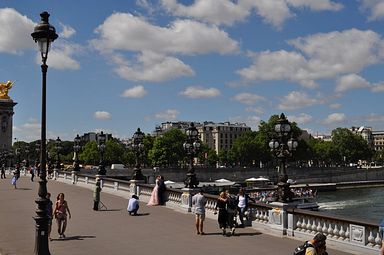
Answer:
(133, 205)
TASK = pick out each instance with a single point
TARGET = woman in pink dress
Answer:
(154, 200)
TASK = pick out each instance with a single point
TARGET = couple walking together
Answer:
(157, 195)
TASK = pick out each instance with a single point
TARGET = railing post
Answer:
(134, 187)
(186, 199)
(74, 177)
(278, 217)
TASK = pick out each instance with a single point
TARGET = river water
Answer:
(363, 204)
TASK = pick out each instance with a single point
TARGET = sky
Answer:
(119, 65)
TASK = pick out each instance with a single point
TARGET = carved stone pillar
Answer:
(6, 115)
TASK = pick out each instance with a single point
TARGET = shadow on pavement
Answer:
(69, 238)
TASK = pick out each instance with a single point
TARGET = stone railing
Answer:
(355, 237)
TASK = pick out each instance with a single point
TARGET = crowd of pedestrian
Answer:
(267, 196)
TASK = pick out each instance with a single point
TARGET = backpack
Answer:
(232, 204)
(300, 250)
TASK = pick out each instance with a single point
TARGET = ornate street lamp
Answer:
(138, 148)
(192, 148)
(282, 146)
(18, 159)
(44, 34)
(76, 149)
(58, 149)
(101, 147)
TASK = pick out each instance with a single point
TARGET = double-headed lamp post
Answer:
(101, 147)
(138, 148)
(282, 146)
(44, 34)
(76, 149)
(191, 147)
(26, 155)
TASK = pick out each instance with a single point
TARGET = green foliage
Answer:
(90, 154)
(168, 150)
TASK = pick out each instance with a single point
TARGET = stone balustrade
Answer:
(356, 237)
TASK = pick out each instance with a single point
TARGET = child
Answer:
(14, 179)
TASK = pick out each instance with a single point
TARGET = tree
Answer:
(90, 154)
(114, 151)
(350, 147)
(168, 150)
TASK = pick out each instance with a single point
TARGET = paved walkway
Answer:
(158, 230)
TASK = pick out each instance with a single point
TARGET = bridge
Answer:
(157, 230)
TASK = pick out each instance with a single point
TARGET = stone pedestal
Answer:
(278, 217)
(6, 116)
(134, 187)
(186, 198)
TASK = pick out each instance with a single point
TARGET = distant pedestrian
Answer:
(381, 233)
(221, 207)
(60, 212)
(96, 195)
(198, 203)
(242, 205)
(154, 199)
(14, 180)
(32, 172)
(231, 212)
(133, 205)
(17, 172)
(3, 172)
(49, 214)
(161, 190)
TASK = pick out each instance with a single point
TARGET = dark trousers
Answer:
(95, 205)
(3, 174)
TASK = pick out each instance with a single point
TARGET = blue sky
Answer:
(119, 65)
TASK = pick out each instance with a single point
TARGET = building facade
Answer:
(378, 140)
(218, 136)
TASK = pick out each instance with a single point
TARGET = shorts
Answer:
(200, 217)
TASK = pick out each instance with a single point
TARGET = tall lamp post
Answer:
(58, 149)
(138, 148)
(26, 150)
(191, 147)
(76, 149)
(44, 34)
(282, 146)
(101, 147)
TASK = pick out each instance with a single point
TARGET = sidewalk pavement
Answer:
(157, 230)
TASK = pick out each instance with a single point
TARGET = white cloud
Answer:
(102, 115)
(251, 121)
(258, 110)
(321, 56)
(316, 5)
(379, 87)
(200, 92)
(29, 131)
(150, 66)
(124, 31)
(302, 118)
(297, 100)
(374, 7)
(248, 98)
(351, 81)
(227, 12)
(335, 106)
(15, 31)
(135, 92)
(67, 31)
(167, 115)
(60, 57)
(334, 118)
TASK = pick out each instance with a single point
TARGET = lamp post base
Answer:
(138, 175)
(284, 192)
(191, 180)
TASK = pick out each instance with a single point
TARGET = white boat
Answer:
(307, 203)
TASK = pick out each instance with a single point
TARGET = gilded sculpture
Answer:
(4, 89)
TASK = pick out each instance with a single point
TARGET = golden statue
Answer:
(4, 89)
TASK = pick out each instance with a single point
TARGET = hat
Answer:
(319, 239)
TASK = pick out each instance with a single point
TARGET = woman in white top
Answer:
(242, 206)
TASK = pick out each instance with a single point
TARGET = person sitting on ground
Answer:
(133, 205)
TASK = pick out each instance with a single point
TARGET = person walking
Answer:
(161, 190)
(198, 203)
(133, 205)
(49, 214)
(14, 180)
(154, 199)
(32, 172)
(221, 207)
(231, 212)
(96, 195)
(60, 212)
(3, 172)
(242, 205)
